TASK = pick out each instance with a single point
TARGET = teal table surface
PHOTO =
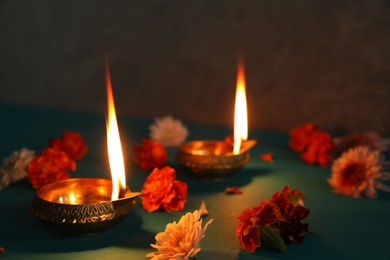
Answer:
(341, 227)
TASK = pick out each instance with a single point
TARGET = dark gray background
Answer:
(321, 61)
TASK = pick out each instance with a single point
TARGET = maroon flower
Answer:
(277, 221)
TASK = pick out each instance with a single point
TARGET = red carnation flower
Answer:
(49, 166)
(150, 154)
(162, 191)
(72, 143)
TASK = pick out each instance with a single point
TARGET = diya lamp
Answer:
(82, 207)
(215, 159)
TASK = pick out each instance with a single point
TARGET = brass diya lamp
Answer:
(215, 159)
(81, 207)
(87, 206)
(212, 159)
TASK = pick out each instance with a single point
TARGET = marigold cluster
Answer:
(54, 162)
(150, 154)
(162, 192)
(277, 221)
(314, 145)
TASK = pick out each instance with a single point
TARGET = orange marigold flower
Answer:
(49, 166)
(150, 154)
(72, 143)
(162, 191)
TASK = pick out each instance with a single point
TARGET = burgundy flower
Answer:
(277, 221)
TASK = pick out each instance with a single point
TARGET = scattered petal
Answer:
(2, 250)
(233, 190)
(267, 157)
(180, 240)
(168, 131)
(203, 209)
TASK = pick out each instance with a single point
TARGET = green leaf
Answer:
(272, 238)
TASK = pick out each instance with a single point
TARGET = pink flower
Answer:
(168, 131)
(355, 173)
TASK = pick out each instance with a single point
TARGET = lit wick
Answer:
(114, 147)
(240, 110)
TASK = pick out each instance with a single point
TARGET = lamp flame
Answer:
(114, 147)
(240, 110)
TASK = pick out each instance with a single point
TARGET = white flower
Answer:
(168, 131)
(14, 167)
(180, 240)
